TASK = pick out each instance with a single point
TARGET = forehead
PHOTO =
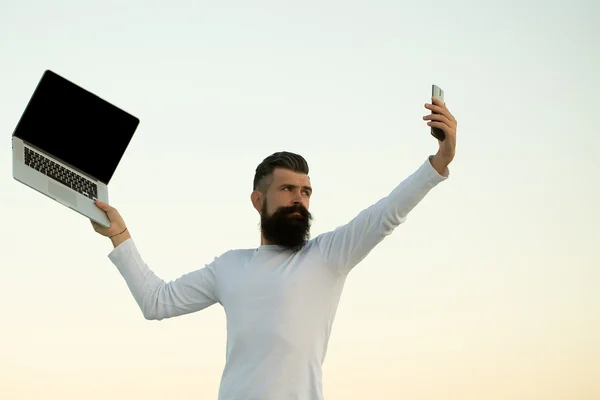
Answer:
(285, 176)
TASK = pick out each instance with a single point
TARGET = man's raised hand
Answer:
(117, 231)
(443, 119)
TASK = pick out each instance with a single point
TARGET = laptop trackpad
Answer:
(62, 194)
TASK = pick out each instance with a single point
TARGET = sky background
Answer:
(488, 291)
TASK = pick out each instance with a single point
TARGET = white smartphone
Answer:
(438, 93)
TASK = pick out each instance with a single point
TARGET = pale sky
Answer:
(488, 291)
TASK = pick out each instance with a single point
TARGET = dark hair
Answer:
(281, 159)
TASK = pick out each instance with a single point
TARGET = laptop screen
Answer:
(76, 126)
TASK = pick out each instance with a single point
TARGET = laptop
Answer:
(68, 144)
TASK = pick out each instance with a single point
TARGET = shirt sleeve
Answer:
(157, 300)
(347, 245)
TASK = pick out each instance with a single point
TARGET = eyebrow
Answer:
(294, 186)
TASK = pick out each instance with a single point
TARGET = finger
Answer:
(436, 108)
(440, 125)
(437, 102)
(439, 106)
(105, 207)
(448, 114)
(448, 117)
(97, 227)
(438, 117)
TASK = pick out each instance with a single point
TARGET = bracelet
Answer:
(110, 237)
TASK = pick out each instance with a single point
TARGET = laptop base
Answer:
(55, 190)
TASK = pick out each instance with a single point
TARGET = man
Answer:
(280, 298)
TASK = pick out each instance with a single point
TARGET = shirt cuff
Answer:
(445, 175)
(119, 251)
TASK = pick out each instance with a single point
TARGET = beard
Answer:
(284, 228)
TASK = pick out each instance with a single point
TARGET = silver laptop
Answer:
(68, 144)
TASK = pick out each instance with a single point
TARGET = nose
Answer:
(297, 199)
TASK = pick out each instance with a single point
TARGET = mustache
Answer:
(295, 208)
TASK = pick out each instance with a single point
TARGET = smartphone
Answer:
(438, 93)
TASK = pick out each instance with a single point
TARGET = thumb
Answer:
(103, 206)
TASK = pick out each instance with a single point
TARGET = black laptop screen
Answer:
(76, 126)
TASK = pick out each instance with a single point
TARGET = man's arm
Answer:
(344, 247)
(157, 300)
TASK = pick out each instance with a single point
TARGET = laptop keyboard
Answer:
(61, 174)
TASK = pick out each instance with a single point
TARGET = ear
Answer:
(257, 200)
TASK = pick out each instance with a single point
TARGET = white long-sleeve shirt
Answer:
(279, 305)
